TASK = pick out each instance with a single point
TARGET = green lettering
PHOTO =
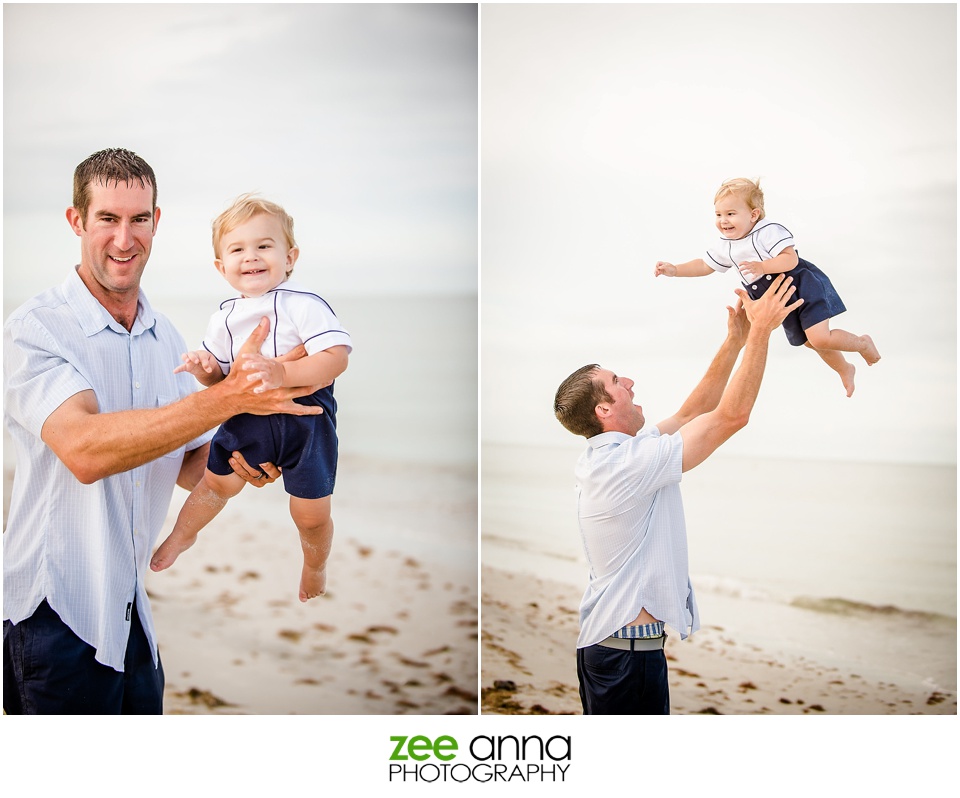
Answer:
(443, 744)
(419, 747)
(396, 751)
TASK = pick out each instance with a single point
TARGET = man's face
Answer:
(620, 415)
(116, 237)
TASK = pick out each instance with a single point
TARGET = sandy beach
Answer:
(395, 634)
(529, 667)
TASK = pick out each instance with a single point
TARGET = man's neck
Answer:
(122, 306)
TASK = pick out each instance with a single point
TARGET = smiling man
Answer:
(631, 513)
(103, 429)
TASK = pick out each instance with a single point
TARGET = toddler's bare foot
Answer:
(170, 549)
(313, 582)
(846, 373)
(868, 350)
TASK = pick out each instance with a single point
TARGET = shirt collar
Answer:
(607, 439)
(93, 317)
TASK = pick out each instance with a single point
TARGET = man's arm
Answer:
(94, 445)
(192, 468)
(705, 433)
(706, 396)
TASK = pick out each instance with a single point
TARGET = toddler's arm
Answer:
(319, 369)
(784, 262)
(692, 268)
(202, 365)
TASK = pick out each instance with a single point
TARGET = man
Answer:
(631, 513)
(103, 429)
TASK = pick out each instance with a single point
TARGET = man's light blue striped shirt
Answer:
(634, 534)
(85, 548)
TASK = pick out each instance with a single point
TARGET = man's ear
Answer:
(602, 411)
(74, 220)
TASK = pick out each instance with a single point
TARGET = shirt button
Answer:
(136, 385)
(769, 276)
(753, 286)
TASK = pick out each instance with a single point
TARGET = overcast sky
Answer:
(360, 119)
(605, 133)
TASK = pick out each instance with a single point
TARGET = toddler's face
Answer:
(254, 256)
(734, 217)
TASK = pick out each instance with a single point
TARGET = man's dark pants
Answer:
(48, 670)
(617, 682)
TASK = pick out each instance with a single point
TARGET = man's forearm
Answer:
(741, 394)
(706, 396)
(95, 445)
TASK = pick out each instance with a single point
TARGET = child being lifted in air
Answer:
(760, 249)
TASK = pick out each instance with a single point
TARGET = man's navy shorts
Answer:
(616, 682)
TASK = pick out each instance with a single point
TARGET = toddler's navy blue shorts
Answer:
(820, 299)
(304, 447)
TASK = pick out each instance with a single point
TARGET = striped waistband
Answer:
(643, 632)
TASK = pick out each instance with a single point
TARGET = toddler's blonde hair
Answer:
(747, 190)
(243, 209)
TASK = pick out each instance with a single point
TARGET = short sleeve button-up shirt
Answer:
(85, 548)
(634, 534)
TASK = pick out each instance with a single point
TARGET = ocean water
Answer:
(409, 395)
(846, 564)
(410, 391)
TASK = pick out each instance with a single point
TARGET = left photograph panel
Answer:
(240, 272)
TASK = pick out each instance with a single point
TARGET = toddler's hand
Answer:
(751, 270)
(197, 363)
(269, 372)
(664, 268)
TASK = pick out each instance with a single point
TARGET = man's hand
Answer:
(738, 325)
(242, 397)
(664, 268)
(258, 477)
(767, 313)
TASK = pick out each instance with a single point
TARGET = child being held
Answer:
(255, 252)
(760, 249)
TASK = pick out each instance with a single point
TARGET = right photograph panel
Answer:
(734, 494)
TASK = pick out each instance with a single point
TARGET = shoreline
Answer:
(528, 666)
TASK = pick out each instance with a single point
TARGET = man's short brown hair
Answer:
(576, 402)
(110, 166)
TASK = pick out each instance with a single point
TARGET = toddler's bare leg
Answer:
(821, 337)
(312, 517)
(207, 499)
(839, 364)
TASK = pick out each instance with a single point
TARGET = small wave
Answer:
(725, 586)
(840, 606)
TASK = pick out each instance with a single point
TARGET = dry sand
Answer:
(529, 634)
(396, 632)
